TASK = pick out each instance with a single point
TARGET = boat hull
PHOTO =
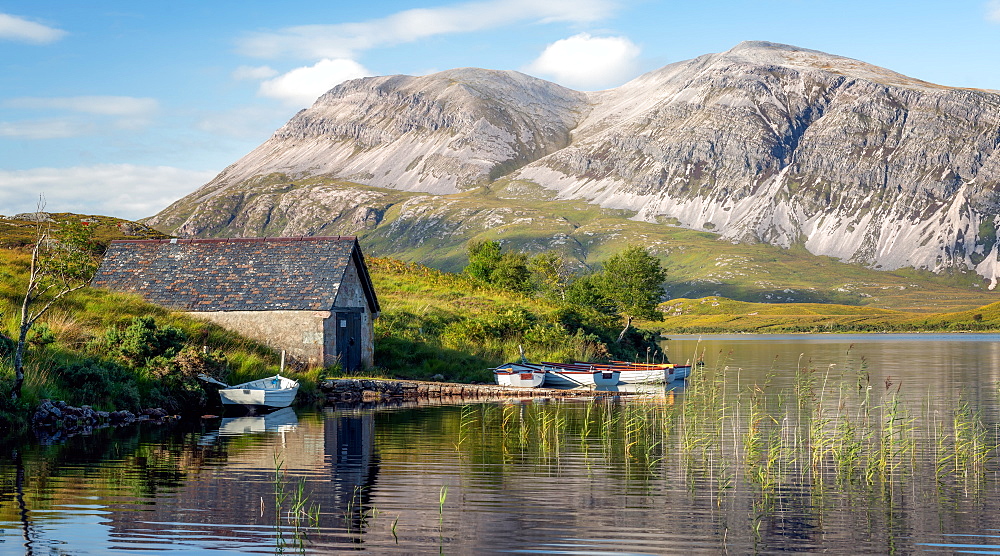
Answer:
(518, 375)
(646, 376)
(681, 372)
(560, 377)
(276, 391)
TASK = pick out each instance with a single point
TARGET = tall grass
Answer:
(746, 444)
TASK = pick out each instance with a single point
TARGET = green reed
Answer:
(832, 430)
(300, 514)
(442, 497)
(965, 450)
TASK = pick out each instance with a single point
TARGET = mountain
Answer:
(764, 143)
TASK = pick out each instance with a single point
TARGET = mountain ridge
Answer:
(762, 143)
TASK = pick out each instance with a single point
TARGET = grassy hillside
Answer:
(698, 263)
(435, 322)
(20, 232)
(714, 314)
(434, 230)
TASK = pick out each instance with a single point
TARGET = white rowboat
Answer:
(275, 391)
(519, 375)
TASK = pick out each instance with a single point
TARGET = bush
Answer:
(104, 385)
(141, 341)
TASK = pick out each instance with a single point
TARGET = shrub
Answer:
(141, 341)
(102, 384)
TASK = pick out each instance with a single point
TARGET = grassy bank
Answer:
(720, 315)
(440, 323)
(114, 351)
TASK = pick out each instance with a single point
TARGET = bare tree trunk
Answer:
(22, 341)
(26, 320)
(628, 324)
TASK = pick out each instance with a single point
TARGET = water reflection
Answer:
(282, 420)
(773, 447)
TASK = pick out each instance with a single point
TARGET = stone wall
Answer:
(299, 333)
(358, 390)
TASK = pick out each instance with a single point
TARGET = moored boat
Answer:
(607, 378)
(635, 374)
(682, 371)
(276, 391)
(519, 375)
(568, 375)
(674, 371)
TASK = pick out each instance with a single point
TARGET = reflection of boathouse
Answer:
(224, 485)
(349, 442)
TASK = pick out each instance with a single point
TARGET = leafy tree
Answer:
(484, 256)
(512, 273)
(551, 273)
(503, 270)
(632, 281)
(62, 261)
(588, 291)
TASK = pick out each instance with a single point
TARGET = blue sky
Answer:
(120, 108)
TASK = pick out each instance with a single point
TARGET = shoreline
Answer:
(365, 390)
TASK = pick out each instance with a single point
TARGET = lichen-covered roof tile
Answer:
(240, 274)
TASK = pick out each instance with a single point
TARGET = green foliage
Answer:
(41, 335)
(633, 282)
(484, 256)
(102, 384)
(488, 265)
(551, 275)
(141, 341)
(589, 291)
(512, 273)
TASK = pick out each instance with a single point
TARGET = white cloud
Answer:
(103, 105)
(345, 40)
(45, 129)
(121, 190)
(254, 72)
(993, 11)
(302, 86)
(126, 112)
(18, 29)
(587, 62)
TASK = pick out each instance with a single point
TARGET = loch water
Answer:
(843, 444)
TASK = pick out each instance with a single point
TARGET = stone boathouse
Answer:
(310, 296)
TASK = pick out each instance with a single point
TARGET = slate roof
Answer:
(236, 274)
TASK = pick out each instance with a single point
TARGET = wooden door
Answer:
(349, 340)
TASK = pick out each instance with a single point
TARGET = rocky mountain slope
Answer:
(763, 143)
